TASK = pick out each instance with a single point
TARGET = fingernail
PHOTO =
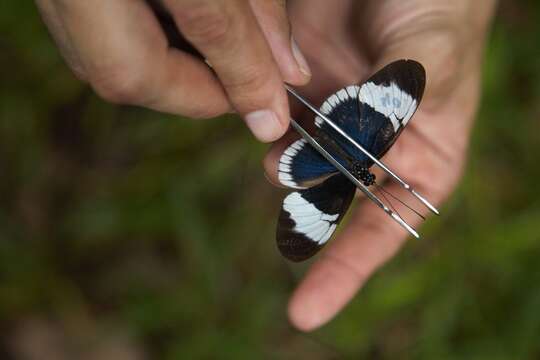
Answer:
(305, 318)
(300, 59)
(264, 124)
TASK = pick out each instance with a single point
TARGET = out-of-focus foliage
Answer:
(128, 234)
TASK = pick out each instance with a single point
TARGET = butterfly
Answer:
(374, 114)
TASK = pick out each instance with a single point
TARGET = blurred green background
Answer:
(128, 234)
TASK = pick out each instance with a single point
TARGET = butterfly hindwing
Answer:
(309, 217)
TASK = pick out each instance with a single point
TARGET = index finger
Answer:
(119, 48)
(227, 33)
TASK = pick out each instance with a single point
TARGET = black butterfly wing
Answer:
(301, 166)
(375, 113)
(309, 217)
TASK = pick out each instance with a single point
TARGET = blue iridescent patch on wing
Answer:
(376, 113)
(359, 120)
(301, 166)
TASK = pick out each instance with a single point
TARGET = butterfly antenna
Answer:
(379, 190)
(383, 191)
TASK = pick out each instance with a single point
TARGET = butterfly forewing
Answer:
(395, 92)
(375, 113)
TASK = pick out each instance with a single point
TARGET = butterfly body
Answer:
(373, 114)
(363, 174)
(358, 168)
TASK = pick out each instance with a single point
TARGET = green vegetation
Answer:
(123, 229)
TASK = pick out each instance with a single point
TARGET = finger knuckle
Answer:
(203, 23)
(119, 83)
(206, 112)
(252, 83)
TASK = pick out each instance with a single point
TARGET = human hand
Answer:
(448, 39)
(119, 48)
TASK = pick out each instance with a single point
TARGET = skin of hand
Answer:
(119, 48)
(347, 41)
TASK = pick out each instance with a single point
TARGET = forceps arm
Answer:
(354, 180)
(361, 148)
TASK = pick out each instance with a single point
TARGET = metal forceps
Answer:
(350, 176)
